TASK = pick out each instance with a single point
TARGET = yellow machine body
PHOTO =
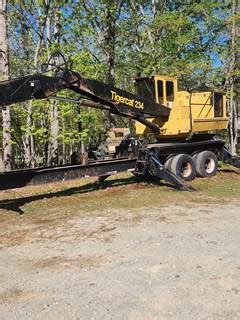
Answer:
(195, 112)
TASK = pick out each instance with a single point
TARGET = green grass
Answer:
(84, 197)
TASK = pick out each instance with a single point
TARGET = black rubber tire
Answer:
(206, 164)
(183, 166)
(168, 163)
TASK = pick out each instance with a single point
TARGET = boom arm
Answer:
(103, 96)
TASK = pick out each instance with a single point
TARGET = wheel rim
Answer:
(186, 169)
(209, 165)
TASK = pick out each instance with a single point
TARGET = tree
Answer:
(4, 74)
(53, 157)
(112, 41)
(232, 80)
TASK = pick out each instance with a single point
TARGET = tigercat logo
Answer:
(129, 102)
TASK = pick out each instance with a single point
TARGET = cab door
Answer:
(165, 92)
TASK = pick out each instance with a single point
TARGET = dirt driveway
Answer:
(91, 256)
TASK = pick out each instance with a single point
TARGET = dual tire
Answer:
(206, 163)
(203, 164)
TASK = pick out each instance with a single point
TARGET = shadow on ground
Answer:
(17, 204)
(229, 170)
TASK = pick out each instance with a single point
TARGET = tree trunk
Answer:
(28, 139)
(63, 161)
(232, 121)
(109, 43)
(53, 157)
(4, 74)
(237, 62)
(110, 39)
(233, 124)
(54, 130)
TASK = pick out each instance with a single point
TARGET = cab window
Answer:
(146, 89)
(160, 91)
(169, 91)
(218, 104)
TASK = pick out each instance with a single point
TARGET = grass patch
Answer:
(59, 201)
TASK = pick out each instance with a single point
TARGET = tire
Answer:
(183, 166)
(206, 164)
(168, 163)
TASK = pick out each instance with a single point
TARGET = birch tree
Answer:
(232, 81)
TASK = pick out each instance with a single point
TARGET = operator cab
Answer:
(191, 112)
(160, 89)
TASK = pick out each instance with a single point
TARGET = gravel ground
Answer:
(175, 262)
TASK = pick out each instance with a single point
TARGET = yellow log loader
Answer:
(180, 128)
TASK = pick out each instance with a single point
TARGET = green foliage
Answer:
(188, 39)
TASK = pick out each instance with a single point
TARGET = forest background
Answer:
(112, 41)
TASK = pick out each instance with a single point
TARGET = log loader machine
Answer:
(180, 125)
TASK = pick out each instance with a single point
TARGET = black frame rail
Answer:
(102, 168)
